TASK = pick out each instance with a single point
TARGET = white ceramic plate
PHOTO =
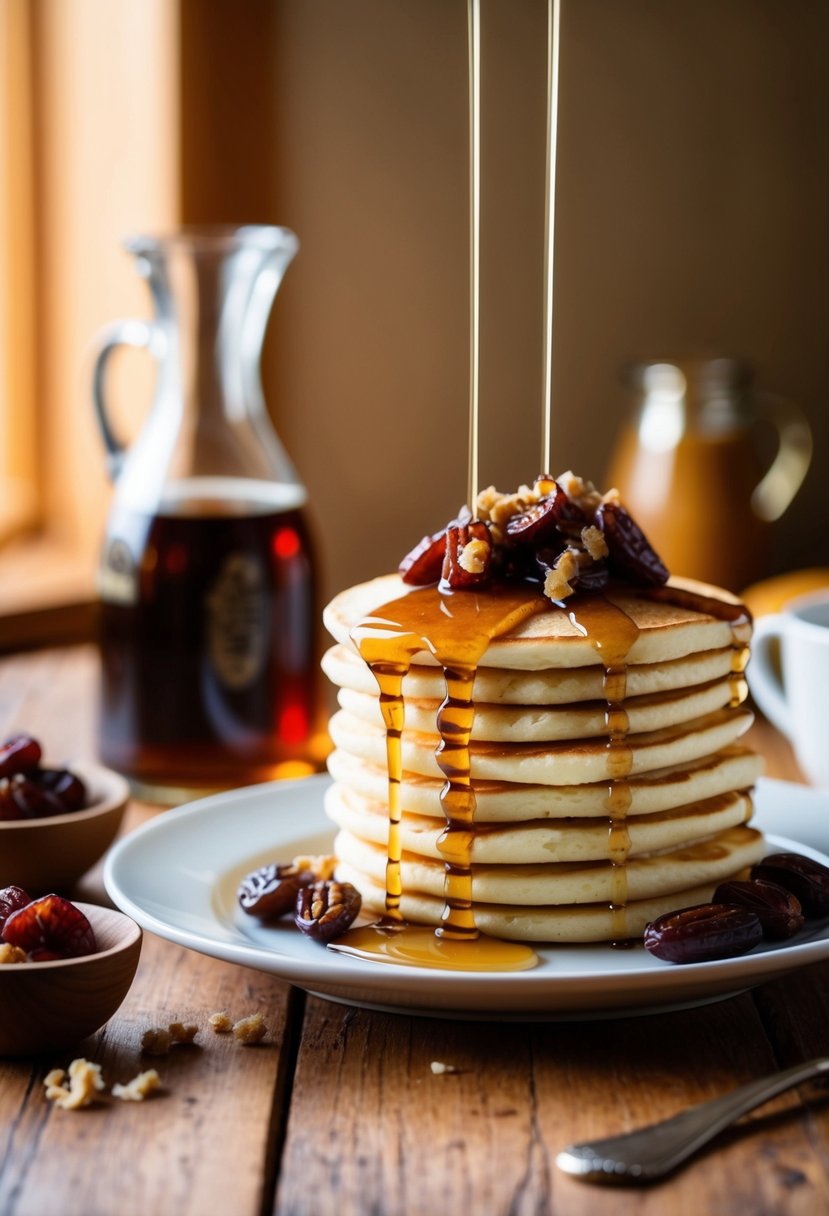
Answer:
(177, 876)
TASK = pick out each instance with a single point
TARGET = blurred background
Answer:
(693, 196)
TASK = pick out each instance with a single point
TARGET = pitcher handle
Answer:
(784, 478)
(142, 335)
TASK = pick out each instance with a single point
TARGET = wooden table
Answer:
(339, 1111)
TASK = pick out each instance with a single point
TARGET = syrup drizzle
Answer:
(613, 634)
(457, 629)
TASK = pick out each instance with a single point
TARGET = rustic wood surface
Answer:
(338, 1110)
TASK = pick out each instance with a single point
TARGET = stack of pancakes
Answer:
(551, 810)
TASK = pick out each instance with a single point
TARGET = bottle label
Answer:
(236, 621)
(117, 575)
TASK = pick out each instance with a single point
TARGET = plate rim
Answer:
(381, 980)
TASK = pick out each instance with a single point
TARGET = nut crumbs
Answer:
(594, 542)
(12, 954)
(156, 1041)
(473, 557)
(85, 1082)
(138, 1088)
(250, 1030)
(183, 1033)
(321, 865)
(221, 1022)
(558, 582)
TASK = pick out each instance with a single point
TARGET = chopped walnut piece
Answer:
(221, 1022)
(583, 493)
(183, 1033)
(12, 954)
(473, 557)
(138, 1088)
(250, 1030)
(321, 865)
(594, 542)
(85, 1082)
(156, 1041)
(558, 582)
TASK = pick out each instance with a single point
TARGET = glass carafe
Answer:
(688, 467)
(207, 575)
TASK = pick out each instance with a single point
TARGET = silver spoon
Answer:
(654, 1151)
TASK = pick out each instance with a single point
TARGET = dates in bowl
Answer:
(782, 892)
(55, 821)
(64, 970)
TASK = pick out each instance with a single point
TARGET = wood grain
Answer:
(199, 1146)
(377, 1131)
(340, 1110)
(205, 1144)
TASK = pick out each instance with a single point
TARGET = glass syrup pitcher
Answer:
(207, 576)
(687, 466)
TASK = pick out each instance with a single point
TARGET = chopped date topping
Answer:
(474, 570)
(560, 532)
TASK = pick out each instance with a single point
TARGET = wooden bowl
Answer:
(51, 854)
(50, 1006)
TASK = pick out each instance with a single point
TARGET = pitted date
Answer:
(19, 754)
(271, 891)
(777, 909)
(806, 879)
(65, 786)
(454, 576)
(12, 899)
(326, 909)
(32, 800)
(423, 564)
(631, 553)
(702, 933)
(50, 928)
(554, 516)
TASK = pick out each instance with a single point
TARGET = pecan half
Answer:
(326, 909)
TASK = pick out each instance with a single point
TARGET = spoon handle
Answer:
(654, 1151)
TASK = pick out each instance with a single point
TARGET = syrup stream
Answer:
(457, 629)
(553, 42)
(474, 26)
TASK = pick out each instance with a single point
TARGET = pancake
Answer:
(732, 768)
(697, 864)
(609, 784)
(551, 639)
(550, 686)
(542, 840)
(565, 925)
(534, 724)
(560, 763)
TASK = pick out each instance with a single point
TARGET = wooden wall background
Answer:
(692, 214)
(693, 202)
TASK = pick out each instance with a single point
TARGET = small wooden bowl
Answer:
(50, 1006)
(51, 854)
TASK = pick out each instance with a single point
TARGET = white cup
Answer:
(793, 692)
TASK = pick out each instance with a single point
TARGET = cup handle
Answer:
(773, 494)
(763, 680)
(139, 334)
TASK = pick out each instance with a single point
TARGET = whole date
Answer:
(29, 791)
(783, 891)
